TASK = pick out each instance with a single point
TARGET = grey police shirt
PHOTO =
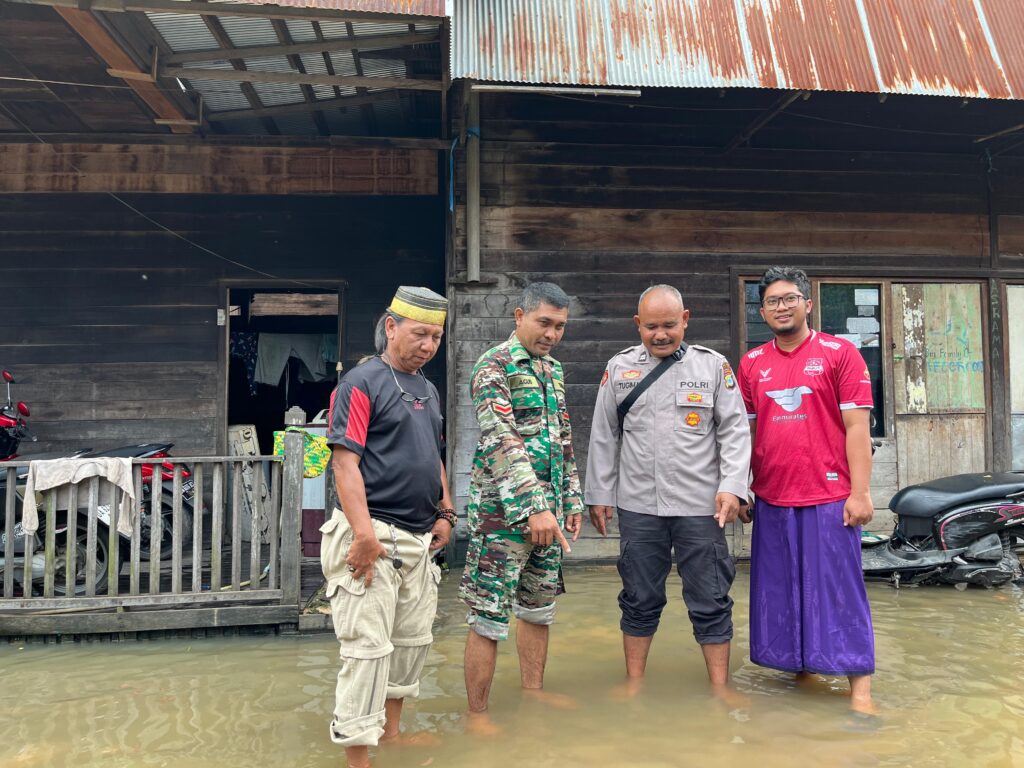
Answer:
(685, 439)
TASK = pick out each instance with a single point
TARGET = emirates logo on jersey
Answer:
(789, 399)
(815, 366)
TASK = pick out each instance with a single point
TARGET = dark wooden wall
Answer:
(605, 200)
(110, 323)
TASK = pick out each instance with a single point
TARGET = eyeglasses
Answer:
(789, 301)
(407, 397)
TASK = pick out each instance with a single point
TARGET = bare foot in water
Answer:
(730, 697)
(811, 682)
(629, 689)
(864, 706)
(418, 739)
(481, 724)
(556, 700)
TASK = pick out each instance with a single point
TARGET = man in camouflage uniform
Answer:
(524, 488)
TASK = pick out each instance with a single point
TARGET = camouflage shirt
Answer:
(524, 462)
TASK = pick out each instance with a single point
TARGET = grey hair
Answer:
(784, 274)
(671, 290)
(380, 333)
(536, 294)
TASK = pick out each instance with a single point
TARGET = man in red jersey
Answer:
(808, 398)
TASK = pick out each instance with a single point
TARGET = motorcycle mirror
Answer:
(23, 410)
(8, 377)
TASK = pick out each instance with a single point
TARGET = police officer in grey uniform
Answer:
(676, 468)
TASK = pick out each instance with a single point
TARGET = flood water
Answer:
(950, 682)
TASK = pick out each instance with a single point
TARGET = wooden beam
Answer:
(235, 9)
(375, 42)
(247, 141)
(296, 78)
(99, 40)
(224, 41)
(173, 619)
(765, 117)
(321, 105)
(285, 37)
(204, 169)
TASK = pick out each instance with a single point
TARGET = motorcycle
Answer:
(13, 430)
(964, 529)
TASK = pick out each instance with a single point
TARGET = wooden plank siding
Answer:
(110, 323)
(230, 170)
(606, 205)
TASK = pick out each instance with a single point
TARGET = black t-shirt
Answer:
(399, 442)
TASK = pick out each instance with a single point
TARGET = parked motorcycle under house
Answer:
(14, 430)
(964, 529)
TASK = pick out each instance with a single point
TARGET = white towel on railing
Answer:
(43, 475)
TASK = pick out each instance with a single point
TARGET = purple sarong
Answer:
(809, 609)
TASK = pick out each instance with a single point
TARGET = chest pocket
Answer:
(527, 403)
(695, 411)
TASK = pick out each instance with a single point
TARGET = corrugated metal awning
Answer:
(434, 8)
(969, 48)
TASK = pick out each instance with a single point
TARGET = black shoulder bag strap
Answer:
(647, 381)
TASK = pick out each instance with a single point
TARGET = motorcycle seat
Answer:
(936, 496)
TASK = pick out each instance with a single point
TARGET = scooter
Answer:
(13, 430)
(963, 529)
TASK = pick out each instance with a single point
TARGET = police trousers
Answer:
(646, 547)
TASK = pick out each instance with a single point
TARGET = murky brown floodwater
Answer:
(950, 681)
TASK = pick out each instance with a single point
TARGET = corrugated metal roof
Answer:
(940, 47)
(435, 8)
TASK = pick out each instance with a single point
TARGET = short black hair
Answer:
(536, 294)
(784, 274)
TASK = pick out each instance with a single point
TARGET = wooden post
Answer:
(50, 550)
(1001, 424)
(217, 525)
(113, 540)
(9, 505)
(71, 550)
(136, 546)
(176, 512)
(91, 537)
(291, 511)
(197, 527)
(473, 191)
(156, 527)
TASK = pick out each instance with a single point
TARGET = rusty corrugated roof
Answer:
(434, 8)
(939, 47)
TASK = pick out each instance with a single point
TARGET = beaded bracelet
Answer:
(447, 514)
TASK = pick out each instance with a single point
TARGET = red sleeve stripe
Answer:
(358, 417)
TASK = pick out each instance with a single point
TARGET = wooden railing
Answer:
(239, 563)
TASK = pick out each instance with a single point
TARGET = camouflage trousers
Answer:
(504, 570)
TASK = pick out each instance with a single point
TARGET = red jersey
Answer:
(797, 398)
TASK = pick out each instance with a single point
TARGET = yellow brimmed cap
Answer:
(420, 304)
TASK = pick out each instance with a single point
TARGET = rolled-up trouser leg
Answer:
(707, 571)
(540, 582)
(490, 580)
(414, 615)
(362, 623)
(359, 702)
(645, 559)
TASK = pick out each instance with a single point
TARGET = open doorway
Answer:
(284, 348)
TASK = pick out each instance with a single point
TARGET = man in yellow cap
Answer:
(385, 431)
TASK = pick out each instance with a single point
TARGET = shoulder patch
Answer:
(727, 375)
(604, 377)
